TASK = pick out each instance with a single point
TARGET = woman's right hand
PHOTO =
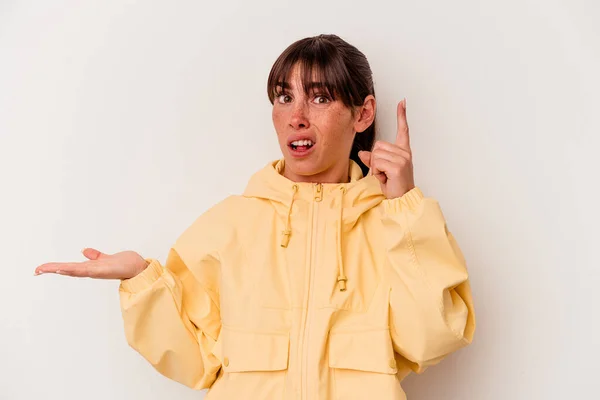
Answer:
(123, 265)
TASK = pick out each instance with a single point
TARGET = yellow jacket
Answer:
(308, 291)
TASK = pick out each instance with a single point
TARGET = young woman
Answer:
(331, 277)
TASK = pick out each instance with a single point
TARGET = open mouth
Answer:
(301, 148)
(301, 145)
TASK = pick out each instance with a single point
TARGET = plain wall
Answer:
(122, 121)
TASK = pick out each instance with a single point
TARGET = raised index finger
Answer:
(402, 137)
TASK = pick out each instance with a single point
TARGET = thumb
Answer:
(365, 157)
(92, 254)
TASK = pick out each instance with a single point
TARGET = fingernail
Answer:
(37, 273)
(82, 250)
(58, 271)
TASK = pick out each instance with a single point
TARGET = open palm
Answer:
(122, 265)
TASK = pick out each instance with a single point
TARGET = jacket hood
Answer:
(348, 200)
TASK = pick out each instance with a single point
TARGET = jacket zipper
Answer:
(314, 228)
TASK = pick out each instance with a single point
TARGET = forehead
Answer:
(295, 78)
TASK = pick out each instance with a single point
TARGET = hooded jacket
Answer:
(304, 291)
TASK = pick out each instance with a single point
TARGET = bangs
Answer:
(321, 67)
(328, 66)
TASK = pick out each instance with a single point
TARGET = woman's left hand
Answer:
(391, 163)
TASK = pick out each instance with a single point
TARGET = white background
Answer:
(121, 121)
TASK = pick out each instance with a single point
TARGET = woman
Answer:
(330, 277)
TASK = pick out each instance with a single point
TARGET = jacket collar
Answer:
(351, 199)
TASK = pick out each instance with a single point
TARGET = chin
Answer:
(302, 166)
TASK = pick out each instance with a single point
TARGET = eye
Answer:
(323, 96)
(281, 95)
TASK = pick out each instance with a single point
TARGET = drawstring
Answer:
(285, 239)
(341, 278)
(285, 235)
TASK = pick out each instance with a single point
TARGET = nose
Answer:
(299, 117)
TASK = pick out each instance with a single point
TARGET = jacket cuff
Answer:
(408, 201)
(145, 278)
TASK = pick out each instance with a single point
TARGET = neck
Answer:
(336, 174)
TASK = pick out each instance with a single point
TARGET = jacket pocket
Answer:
(363, 365)
(254, 351)
(254, 364)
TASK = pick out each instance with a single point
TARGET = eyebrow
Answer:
(311, 85)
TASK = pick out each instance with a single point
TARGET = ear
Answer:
(365, 114)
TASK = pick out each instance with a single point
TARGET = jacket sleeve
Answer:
(171, 313)
(431, 308)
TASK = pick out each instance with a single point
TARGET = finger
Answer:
(365, 157)
(394, 158)
(52, 267)
(376, 167)
(72, 269)
(388, 168)
(392, 148)
(80, 272)
(402, 137)
(380, 175)
(92, 254)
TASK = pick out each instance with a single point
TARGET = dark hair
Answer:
(342, 68)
